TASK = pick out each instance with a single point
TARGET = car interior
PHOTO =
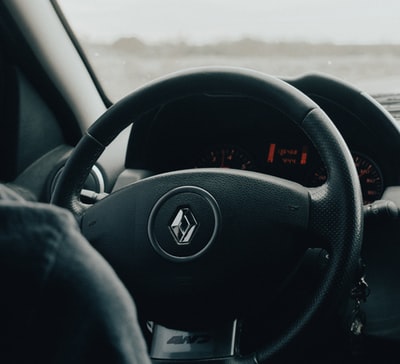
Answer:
(253, 218)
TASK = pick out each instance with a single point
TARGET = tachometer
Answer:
(225, 156)
(370, 176)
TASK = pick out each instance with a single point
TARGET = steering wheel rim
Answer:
(336, 218)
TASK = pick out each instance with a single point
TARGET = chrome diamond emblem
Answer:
(183, 226)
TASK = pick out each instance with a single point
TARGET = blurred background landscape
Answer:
(128, 62)
(130, 42)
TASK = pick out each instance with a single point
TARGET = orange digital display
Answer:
(271, 153)
(287, 155)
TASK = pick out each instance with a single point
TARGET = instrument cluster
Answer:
(223, 131)
(299, 163)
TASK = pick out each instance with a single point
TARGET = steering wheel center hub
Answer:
(184, 223)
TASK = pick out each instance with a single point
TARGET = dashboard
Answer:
(226, 131)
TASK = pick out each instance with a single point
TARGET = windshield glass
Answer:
(130, 42)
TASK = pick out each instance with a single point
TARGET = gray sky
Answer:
(201, 21)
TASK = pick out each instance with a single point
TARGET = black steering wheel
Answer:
(198, 244)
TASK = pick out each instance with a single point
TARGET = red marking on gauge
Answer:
(304, 155)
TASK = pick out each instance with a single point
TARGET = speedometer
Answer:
(370, 176)
(225, 156)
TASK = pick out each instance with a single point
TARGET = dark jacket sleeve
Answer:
(60, 302)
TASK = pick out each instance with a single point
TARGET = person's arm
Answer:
(62, 301)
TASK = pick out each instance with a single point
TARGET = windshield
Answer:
(130, 42)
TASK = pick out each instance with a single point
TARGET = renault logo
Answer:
(183, 226)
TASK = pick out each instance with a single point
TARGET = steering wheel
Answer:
(194, 246)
